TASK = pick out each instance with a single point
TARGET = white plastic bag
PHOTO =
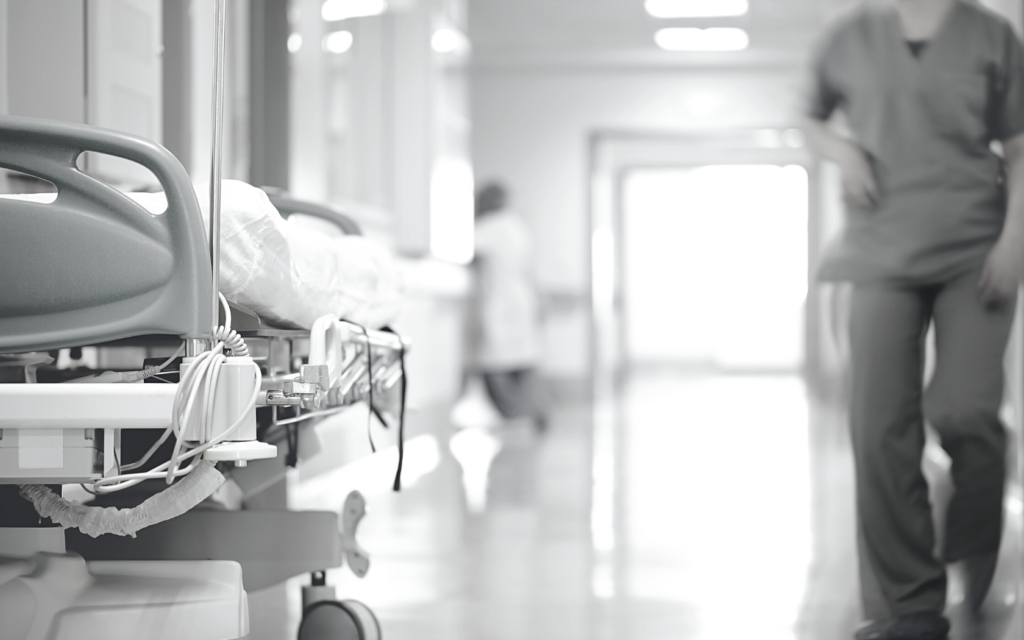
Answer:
(291, 275)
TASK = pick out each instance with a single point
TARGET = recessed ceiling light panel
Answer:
(334, 10)
(690, 39)
(696, 8)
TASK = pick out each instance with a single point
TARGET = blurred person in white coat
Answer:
(508, 348)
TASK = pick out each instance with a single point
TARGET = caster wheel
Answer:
(332, 620)
(369, 622)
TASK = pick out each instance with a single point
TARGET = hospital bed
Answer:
(95, 269)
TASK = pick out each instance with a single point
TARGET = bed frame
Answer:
(95, 269)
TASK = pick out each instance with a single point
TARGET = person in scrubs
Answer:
(508, 309)
(934, 236)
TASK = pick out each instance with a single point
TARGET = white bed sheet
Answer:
(290, 274)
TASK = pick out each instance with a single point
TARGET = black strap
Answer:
(369, 381)
(291, 433)
(401, 416)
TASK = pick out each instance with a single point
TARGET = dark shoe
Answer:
(926, 625)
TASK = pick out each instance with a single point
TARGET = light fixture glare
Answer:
(447, 40)
(334, 10)
(338, 42)
(294, 42)
(696, 8)
(691, 39)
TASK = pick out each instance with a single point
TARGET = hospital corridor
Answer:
(572, 538)
(571, 535)
(511, 319)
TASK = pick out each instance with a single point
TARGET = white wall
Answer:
(124, 80)
(45, 40)
(532, 128)
(54, 51)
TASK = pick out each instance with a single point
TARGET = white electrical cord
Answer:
(227, 335)
(202, 375)
(109, 377)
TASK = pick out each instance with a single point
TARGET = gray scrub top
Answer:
(926, 124)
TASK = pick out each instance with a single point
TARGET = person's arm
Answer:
(824, 95)
(1004, 267)
(859, 185)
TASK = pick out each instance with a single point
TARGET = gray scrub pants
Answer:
(898, 568)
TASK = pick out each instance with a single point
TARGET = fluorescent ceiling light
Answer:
(333, 10)
(449, 41)
(338, 42)
(696, 8)
(294, 42)
(689, 39)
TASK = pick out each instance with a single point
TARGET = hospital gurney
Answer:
(120, 278)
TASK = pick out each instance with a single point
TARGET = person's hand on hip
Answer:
(1002, 272)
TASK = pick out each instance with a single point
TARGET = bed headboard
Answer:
(94, 266)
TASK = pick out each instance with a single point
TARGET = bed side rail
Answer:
(93, 265)
(287, 205)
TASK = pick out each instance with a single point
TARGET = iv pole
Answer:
(218, 149)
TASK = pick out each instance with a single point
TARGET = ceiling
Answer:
(620, 33)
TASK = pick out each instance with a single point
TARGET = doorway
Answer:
(714, 267)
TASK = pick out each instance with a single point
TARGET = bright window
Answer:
(715, 266)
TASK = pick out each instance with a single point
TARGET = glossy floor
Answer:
(703, 508)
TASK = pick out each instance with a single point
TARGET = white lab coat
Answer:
(508, 310)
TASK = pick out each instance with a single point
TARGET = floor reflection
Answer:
(681, 507)
(474, 449)
(716, 509)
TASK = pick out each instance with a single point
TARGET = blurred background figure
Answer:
(931, 238)
(507, 312)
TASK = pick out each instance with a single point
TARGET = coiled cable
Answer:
(234, 342)
(199, 379)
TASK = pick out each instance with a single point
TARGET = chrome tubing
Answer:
(218, 149)
(195, 346)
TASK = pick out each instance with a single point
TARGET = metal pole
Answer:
(195, 346)
(218, 147)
